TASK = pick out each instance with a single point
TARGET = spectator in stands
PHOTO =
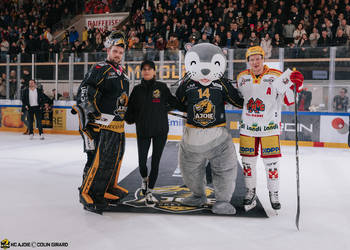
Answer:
(253, 40)
(150, 46)
(345, 27)
(266, 44)
(173, 47)
(148, 15)
(217, 41)
(204, 38)
(303, 45)
(14, 51)
(341, 101)
(324, 42)
(277, 41)
(229, 42)
(13, 84)
(161, 43)
(54, 48)
(298, 33)
(340, 38)
(288, 32)
(47, 35)
(241, 42)
(4, 48)
(207, 30)
(314, 36)
(53, 97)
(73, 36)
(2, 87)
(304, 100)
(84, 34)
(65, 50)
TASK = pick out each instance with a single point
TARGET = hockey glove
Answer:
(297, 78)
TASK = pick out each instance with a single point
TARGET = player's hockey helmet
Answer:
(256, 50)
(115, 38)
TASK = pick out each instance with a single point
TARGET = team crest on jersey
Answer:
(156, 93)
(170, 198)
(255, 105)
(121, 104)
(204, 112)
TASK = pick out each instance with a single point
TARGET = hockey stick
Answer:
(297, 156)
(185, 78)
(178, 115)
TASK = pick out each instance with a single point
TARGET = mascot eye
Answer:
(193, 62)
(217, 63)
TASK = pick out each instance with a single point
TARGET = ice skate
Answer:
(249, 201)
(275, 203)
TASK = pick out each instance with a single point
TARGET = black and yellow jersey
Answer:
(106, 87)
(205, 105)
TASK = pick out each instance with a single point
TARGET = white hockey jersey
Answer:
(263, 97)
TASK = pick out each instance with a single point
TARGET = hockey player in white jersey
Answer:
(264, 89)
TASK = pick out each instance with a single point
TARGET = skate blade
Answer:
(250, 207)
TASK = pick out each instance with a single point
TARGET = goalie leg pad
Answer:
(105, 167)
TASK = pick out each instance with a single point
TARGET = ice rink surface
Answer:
(39, 202)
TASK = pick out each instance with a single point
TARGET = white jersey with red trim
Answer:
(263, 97)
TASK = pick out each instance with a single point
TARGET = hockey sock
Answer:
(272, 174)
(249, 171)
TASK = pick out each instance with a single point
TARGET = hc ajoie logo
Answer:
(5, 244)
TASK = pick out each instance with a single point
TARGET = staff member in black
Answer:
(32, 101)
(148, 106)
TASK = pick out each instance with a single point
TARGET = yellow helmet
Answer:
(256, 50)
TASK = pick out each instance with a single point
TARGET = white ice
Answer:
(39, 202)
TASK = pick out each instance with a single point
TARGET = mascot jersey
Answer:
(206, 104)
(263, 96)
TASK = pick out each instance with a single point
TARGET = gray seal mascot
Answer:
(205, 136)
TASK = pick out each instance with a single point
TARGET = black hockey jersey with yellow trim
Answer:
(206, 104)
(106, 87)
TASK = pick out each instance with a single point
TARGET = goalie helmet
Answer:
(256, 50)
(116, 38)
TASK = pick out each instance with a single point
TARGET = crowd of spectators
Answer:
(167, 25)
(103, 6)
(26, 26)
(243, 23)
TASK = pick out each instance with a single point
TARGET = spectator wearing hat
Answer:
(148, 105)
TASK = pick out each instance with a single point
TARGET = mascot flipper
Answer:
(205, 136)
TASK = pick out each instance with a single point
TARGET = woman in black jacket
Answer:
(148, 108)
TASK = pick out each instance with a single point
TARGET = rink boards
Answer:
(315, 129)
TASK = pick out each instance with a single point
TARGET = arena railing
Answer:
(325, 69)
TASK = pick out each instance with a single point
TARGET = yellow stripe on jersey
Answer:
(245, 72)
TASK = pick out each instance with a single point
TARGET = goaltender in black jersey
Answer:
(101, 106)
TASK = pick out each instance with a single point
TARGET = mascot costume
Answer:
(205, 136)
